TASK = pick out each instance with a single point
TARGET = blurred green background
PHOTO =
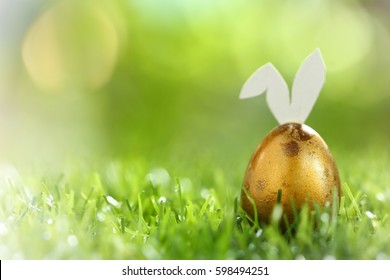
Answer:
(159, 80)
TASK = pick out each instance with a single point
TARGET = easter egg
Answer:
(292, 159)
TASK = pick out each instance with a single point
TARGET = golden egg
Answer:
(293, 159)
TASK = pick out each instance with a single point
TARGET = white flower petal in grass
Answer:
(159, 177)
(11, 218)
(100, 216)
(259, 233)
(205, 193)
(251, 246)
(162, 200)
(106, 208)
(185, 184)
(276, 214)
(50, 200)
(3, 229)
(380, 197)
(112, 201)
(370, 215)
(72, 240)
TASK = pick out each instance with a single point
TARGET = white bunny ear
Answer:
(305, 90)
(257, 83)
(307, 85)
(268, 79)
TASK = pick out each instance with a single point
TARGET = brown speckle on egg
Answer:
(293, 158)
(291, 148)
(260, 184)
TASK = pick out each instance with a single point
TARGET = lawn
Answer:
(125, 209)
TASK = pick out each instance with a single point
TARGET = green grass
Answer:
(127, 210)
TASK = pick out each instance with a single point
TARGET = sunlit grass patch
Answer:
(126, 210)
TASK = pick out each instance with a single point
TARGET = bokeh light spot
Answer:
(71, 47)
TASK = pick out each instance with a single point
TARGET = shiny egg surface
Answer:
(292, 158)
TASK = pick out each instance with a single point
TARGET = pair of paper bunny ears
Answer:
(306, 87)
